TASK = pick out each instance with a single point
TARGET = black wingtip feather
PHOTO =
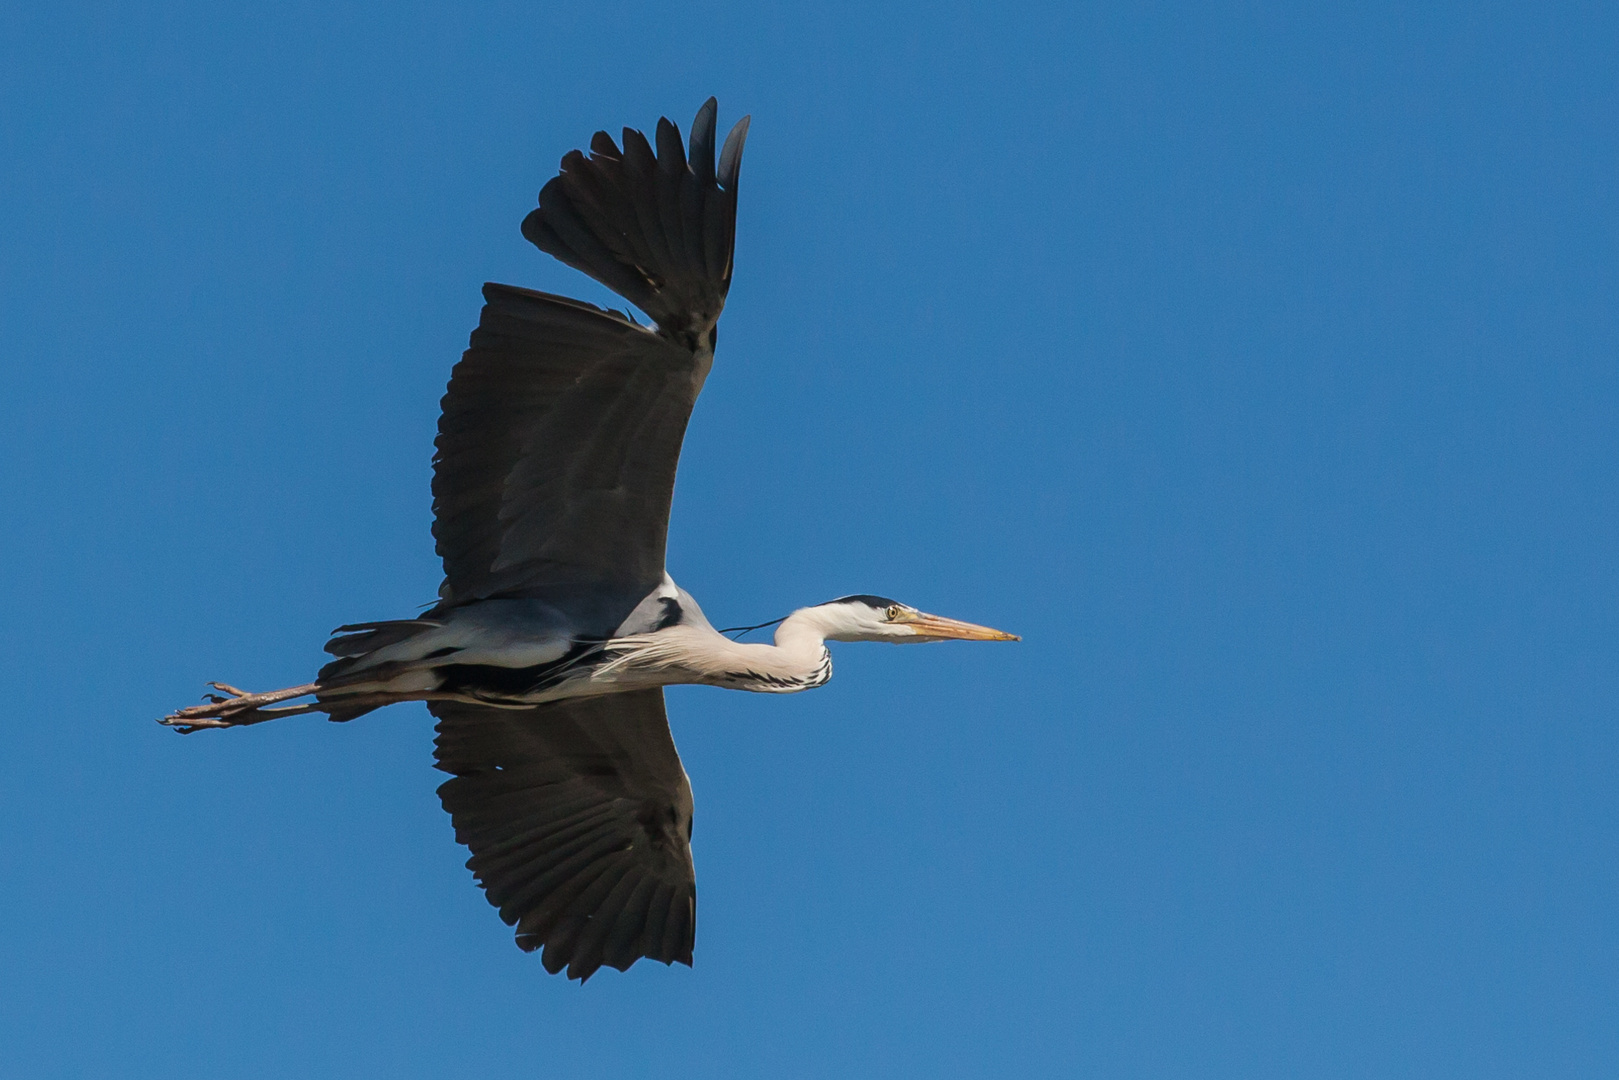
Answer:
(701, 156)
(671, 151)
(658, 229)
(731, 156)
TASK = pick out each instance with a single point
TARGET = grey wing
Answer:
(557, 449)
(578, 815)
(658, 229)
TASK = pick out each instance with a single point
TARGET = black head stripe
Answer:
(877, 602)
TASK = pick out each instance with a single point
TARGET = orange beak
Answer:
(939, 628)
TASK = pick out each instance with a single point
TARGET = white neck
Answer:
(691, 653)
(797, 661)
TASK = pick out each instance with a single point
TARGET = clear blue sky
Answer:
(1258, 365)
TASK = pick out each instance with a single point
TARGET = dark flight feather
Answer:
(658, 228)
(557, 451)
(578, 817)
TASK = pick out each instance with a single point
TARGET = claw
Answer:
(186, 727)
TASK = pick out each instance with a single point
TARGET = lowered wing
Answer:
(578, 815)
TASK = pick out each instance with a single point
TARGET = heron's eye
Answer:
(893, 612)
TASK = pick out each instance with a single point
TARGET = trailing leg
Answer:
(233, 708)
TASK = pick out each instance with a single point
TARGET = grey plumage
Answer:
(357, 639)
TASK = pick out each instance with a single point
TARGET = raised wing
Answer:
(562, 424)
(578, 815)
(656, 229)
(557, 451)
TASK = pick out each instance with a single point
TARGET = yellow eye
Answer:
(893, 612)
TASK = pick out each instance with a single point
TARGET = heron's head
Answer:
(877, 618)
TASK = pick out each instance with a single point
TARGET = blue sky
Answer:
(1256, 363)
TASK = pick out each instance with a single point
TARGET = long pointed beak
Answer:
(940, 628)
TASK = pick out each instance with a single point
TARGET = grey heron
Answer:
(557, 625)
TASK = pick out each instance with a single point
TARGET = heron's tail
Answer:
(372, 658)
(656, 229)
(375, 666)
(357, 640)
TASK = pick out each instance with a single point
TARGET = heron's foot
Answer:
(236, 708)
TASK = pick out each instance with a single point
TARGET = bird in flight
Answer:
(557, 626)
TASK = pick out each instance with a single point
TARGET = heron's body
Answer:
(557, 623)
(516, 653)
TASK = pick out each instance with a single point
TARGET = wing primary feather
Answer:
(701, 157)
(671, 171)
(662, 224)
(730, 170)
